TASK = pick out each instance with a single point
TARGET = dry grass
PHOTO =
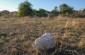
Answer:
(17, 35)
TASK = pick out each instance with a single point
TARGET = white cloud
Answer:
(7, 7)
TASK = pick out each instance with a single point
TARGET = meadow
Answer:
(17, 35)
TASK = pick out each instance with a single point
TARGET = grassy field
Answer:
(17, 35)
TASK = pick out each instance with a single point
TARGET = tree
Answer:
(5, 13)
(55, 10)
(14, 13)
(42, 12)
(0, 14)
(84, 9)
(35, 12)
(25, 9)
(64, 8)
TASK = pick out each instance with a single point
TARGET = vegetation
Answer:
(0, 14)
(25, 9)
(5, 13)
(55, 11)
(18, 34)
(40, 13)
(65, 9)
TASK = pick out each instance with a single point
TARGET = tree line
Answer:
(25, 9)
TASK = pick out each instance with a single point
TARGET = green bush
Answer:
(65, 9)
(25, 9)
(55, 11)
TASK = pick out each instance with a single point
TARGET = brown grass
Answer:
(17, 35)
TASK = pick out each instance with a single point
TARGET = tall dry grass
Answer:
(18, 34)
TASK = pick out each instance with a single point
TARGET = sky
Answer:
(12, 5)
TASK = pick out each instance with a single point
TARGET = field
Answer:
(17, 35)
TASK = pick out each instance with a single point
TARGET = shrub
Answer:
(65, 9)
(25, 9)
(55, 11)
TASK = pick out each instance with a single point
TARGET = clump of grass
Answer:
(82, 43)
(72, 23)
(3, 34)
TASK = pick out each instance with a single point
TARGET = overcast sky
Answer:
(12, 5)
